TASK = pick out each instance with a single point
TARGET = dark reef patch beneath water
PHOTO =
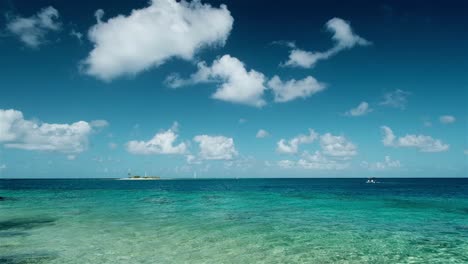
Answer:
(25, 223)
(28, 258)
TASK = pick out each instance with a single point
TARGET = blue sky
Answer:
(233, 89)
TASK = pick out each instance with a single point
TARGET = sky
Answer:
(233, 89)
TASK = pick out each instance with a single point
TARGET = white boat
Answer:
(371, 180)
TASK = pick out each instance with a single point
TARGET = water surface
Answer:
(234, 221)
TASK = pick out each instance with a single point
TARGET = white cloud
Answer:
(336, 151)
(427, 123)
(162, 143)
(362, 109)
(292, 89)
(292, 146)
(16, 132)
(77, 35)
(112, 145)
(447, 119)
(71, 157)
(216, 147)
(32, 31)
(242, 120)
(396, 99)
(99, 123)
(388, 163)
(286, 164)
(192, 159)
(237, 85)
(262, 133)
(422, 142)
(3, 167)
(343, 36)
(316, 161)
(320, 162)
(148, 37)
(465, 151)
(337, 146)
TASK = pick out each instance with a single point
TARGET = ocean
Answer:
(234, 221)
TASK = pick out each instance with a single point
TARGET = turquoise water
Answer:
(234, 221)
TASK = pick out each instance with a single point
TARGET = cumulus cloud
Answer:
(421, 142)
(262, 133)
(388, 163)
(16, 132)
(362, 109)
(292, 89)
(99, 123)
(342, 35)
(236, 83)
(286, 164)
(335, 153)
(447, 119)
(148, 37)
(32, 31)
(162, 143)
(337, 146)
(316, 161)
(396, 99)
(215, 147)
(292, 146)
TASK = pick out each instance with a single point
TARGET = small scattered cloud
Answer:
(334, 154)
(293, 89)
(112, 145)
(77, 35)
(71, 157)
(99, 123)
(331, 145)
(215, 148)
(286, 164)
(33, 31)
(236, 83)
(427, 123)
(126, 45)
(162, 143)
(388, 163)
(447, 119)
(396, 99)
(3, 167)
(337, 146)
(292, 146)
(262, 133)
(316, 161)
(421, 142)
(16, 132)
(343, 36)
(360, 110)
(242, 121)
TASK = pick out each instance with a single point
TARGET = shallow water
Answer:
(234, 221)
